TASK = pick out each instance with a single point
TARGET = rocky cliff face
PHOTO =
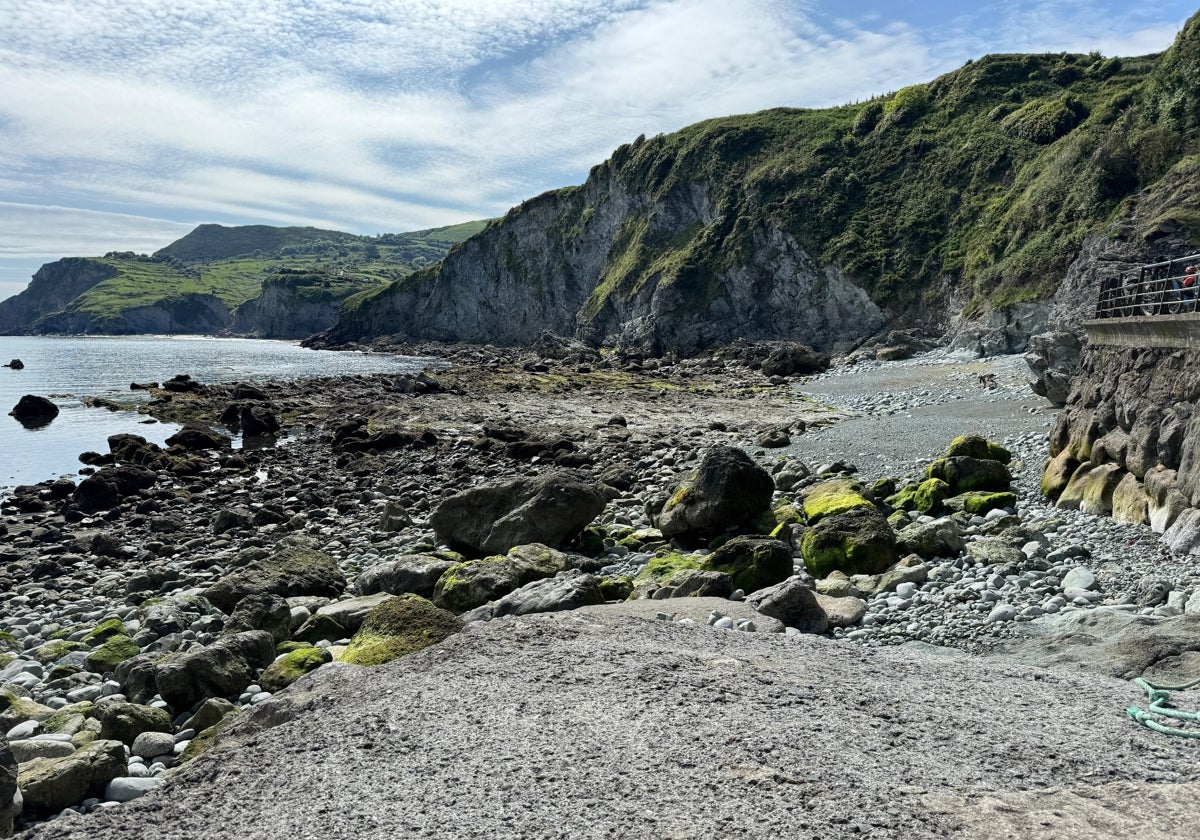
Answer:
(283, 311)
(608, 263)
(181, 314)
(1128, 443)
(54, 286)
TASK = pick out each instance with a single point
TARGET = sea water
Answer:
(66, 369)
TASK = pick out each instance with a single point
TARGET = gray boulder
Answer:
(124, 722)
(793, 602)
(10, 797)
(1053, 359)
(107, 488)
(222, 669)
(292, 570)
(415, 573)
(565, 591)
(695, 583)
(549, 509)
(261, 611)
(351, 613)
(466, 586)
(939, 538)
(728, 491)
(48, 785)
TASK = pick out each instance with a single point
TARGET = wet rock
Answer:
(107, 488)
(16, 364)
(198, 439)
(33, 412)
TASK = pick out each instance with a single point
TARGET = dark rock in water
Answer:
(728, 491)
(260, 423)
(196, 438)
(183, 384)
(33, 411)
(16, 364)
(550, 509)
(291, 571)
(134, 449)
(142, 386)
(242, 391)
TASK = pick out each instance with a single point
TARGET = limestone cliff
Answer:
(607, 262)
(295, 304)
(53, 286)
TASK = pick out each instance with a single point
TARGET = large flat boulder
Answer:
(491, 519)
(290, 571)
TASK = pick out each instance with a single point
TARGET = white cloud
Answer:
(30, 231)
(373, 116)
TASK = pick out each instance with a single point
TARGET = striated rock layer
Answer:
(1128, 443)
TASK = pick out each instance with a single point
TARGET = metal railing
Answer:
(1162, 288)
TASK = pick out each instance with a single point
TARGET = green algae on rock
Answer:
(398, 627)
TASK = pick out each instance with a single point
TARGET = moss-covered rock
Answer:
(69, 719)
(292, 666)
(926, 496)
(125, 721)
(1058, 474)
(105, 630)
(660, 569)
(830, 498)
(398, 627)
(964, 474)
(753, 562)
(289, 646)
(9, 643)
(55, 650)
(111, 654)
(200, 744)
(16, 709)
(859, 541)
(883, 487)
(591, 540)
(616, 588)
(318, 627)
(981, 501)
(466, 586)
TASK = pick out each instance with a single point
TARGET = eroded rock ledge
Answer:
(1128, 443)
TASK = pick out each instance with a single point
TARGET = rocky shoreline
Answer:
(149, 604)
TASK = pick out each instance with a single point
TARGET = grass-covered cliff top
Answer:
(234, 263)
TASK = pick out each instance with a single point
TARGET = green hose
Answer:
(1160, 707)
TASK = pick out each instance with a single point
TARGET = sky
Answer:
(126, 123)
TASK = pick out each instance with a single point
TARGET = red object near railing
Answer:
(1162, 288)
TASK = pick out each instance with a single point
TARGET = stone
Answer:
(728, 491)
(793, 602)
(1165, 502)
(1058, 474)
(153, 744)
(415, 573)
(106, 489)
(696, 583)
(211, 712)
(1001, 613)
(491, 519)
(474, 583)
(982, 502)
(222, 669)
(830, 498)
(1054, 359)
(752, 562)
(112, 653)
(992, 551)
(120, 721)
(401, 625)
(964, 473)
(394, 518)
(30, 748)
(856, 542)
(48, 785)
(291, 570)
(129, 788)
(846, 611)
(261, 611)
(352, 612)
(1130, 503)
(34, 412)
(939, 538)
(774, 439)
(292, 666)
(1183, 537)
(198, 439)
(10, 801)
(565, 591)
(1079, 578)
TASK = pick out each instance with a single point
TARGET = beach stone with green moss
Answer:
(51, 784)
(292, 666)
(964, 474)
(981, 501)
(290, 571)
(728, 491)
(855, 542)
(829, 498)
(616, 588)
(466, 586)
(400, 626)
(55, 650)
(105, 630)
(752, 562)
(120, 721)
(111, 654)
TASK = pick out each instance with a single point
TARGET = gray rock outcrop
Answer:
(33, 412)
(221, 669)
(290, 571)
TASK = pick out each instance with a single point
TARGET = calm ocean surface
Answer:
(67, 369)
